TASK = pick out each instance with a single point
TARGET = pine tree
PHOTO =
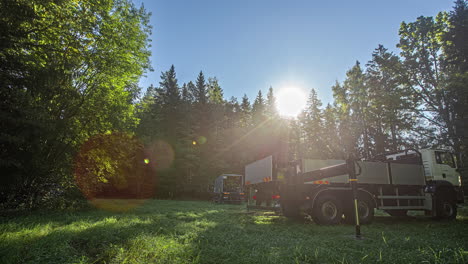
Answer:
(246, 112)
(199, 91)
(232, 113)
(388, 99)
(215, 93)
(312, 127)
(271, 104)
(171, 100)
(330, 136)
(359, 106)
(343, 113)
(258, 109)
(186, 93)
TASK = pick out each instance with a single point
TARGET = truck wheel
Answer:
(327, 210)
(397, 213)
(446, 209)
(365, 210)
(290, 210)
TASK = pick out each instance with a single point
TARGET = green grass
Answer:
(201, 232)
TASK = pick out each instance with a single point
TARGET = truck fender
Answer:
(322, 192)
(361, 193)
(368, 195)
(439, 183)
(441, 187)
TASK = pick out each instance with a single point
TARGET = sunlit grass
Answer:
(201, 232)
(117, 205)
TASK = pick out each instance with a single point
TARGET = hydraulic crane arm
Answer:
(327, 172)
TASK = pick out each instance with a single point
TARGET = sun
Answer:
(290, 101)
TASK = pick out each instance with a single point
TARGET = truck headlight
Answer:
(430, 189)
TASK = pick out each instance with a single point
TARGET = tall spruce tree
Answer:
(246, 112)
(271, 110)
(330, 136)
(258, 109)
(312, 127)
(199, 91)
(389, 119)
(343, 113)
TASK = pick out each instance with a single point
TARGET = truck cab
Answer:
(439, 165)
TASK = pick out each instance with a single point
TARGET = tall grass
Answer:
(156, 231)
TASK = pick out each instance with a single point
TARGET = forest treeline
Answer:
(73, 122)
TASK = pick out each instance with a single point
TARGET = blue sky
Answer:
(252, 45)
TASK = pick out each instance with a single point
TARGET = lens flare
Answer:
(201, 140)
(109, 172)
(161, 155)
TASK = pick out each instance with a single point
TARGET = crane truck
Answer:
(425, 180)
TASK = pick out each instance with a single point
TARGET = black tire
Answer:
(327, 210)
(366, 212)
(397, 213)
(290, 210)
(446, 209)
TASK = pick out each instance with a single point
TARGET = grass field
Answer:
(158, 231)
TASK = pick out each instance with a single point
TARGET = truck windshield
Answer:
(232, 184)
(445, 158)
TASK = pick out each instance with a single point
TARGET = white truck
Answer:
(425, 180)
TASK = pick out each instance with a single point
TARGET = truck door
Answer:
(444, 168)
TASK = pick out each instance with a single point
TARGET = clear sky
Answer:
(251, 45)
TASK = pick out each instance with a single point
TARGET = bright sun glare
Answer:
(290, 101)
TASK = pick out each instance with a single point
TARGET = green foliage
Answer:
(215, 93)
(456, 49)
(113, 164)
(67, 74)
(434, 54)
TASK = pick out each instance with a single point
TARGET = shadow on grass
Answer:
(93, 236)
(200, 232)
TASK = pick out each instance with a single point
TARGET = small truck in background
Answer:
(425, 180)
(228, 188)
